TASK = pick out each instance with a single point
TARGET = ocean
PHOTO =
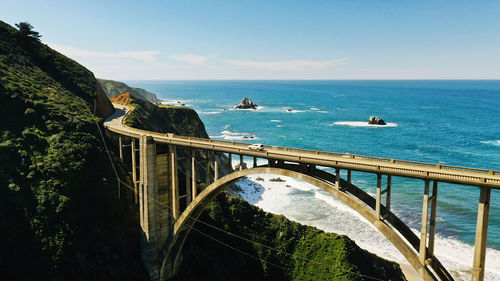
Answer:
(448, 122)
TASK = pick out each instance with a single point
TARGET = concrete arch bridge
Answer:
(165, 229)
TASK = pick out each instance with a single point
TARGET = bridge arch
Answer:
(403, 239)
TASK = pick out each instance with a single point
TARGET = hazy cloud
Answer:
(291, 65)
(147, 56)
(190, 59)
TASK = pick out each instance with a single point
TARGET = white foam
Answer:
(362, 124)
(275, 197)
(334, 202)
(280, 126)
(323, 111)
(492, 142)
(211, 112)
(178, 102)
(315, 108)
(228, 135)
(337, 219)
(276, 121)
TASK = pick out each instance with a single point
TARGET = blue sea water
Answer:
(448, 122)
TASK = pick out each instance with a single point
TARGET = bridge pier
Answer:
(158, 201)
(174, 181)
(337, 178)
(428, 227)
(216, 166)
(388, 193)
(134, 170)
(207, 172)
(188, 176)
(432, 220)
(149, 217)
(120, 147)
(423, 229)
(483, 213)
(194, 191)
(378, 202)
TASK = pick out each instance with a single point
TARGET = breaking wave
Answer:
(492, 142)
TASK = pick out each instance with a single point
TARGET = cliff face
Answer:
(60, 216)
(316, 255)
(182, 121)
(114, 88)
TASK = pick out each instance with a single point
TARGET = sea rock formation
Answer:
(375, 120)
(246, 103)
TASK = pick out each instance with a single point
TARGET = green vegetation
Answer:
(316, 255)
(27, 30)
(60, 217)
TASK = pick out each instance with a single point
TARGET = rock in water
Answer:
(246, 104)
(375, 120)
(277, 180)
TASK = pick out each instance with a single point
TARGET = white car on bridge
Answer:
(256, 146)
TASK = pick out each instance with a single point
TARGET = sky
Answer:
(251, 39)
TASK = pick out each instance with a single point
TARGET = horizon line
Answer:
(319, 79)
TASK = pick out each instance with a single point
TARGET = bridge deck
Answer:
(404, 168)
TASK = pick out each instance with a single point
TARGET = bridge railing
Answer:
(353, 156)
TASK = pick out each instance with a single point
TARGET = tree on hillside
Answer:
(27, 30)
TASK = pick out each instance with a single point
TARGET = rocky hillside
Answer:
(60, 216)
(114, 88)
(181, 121)
(315, 255)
